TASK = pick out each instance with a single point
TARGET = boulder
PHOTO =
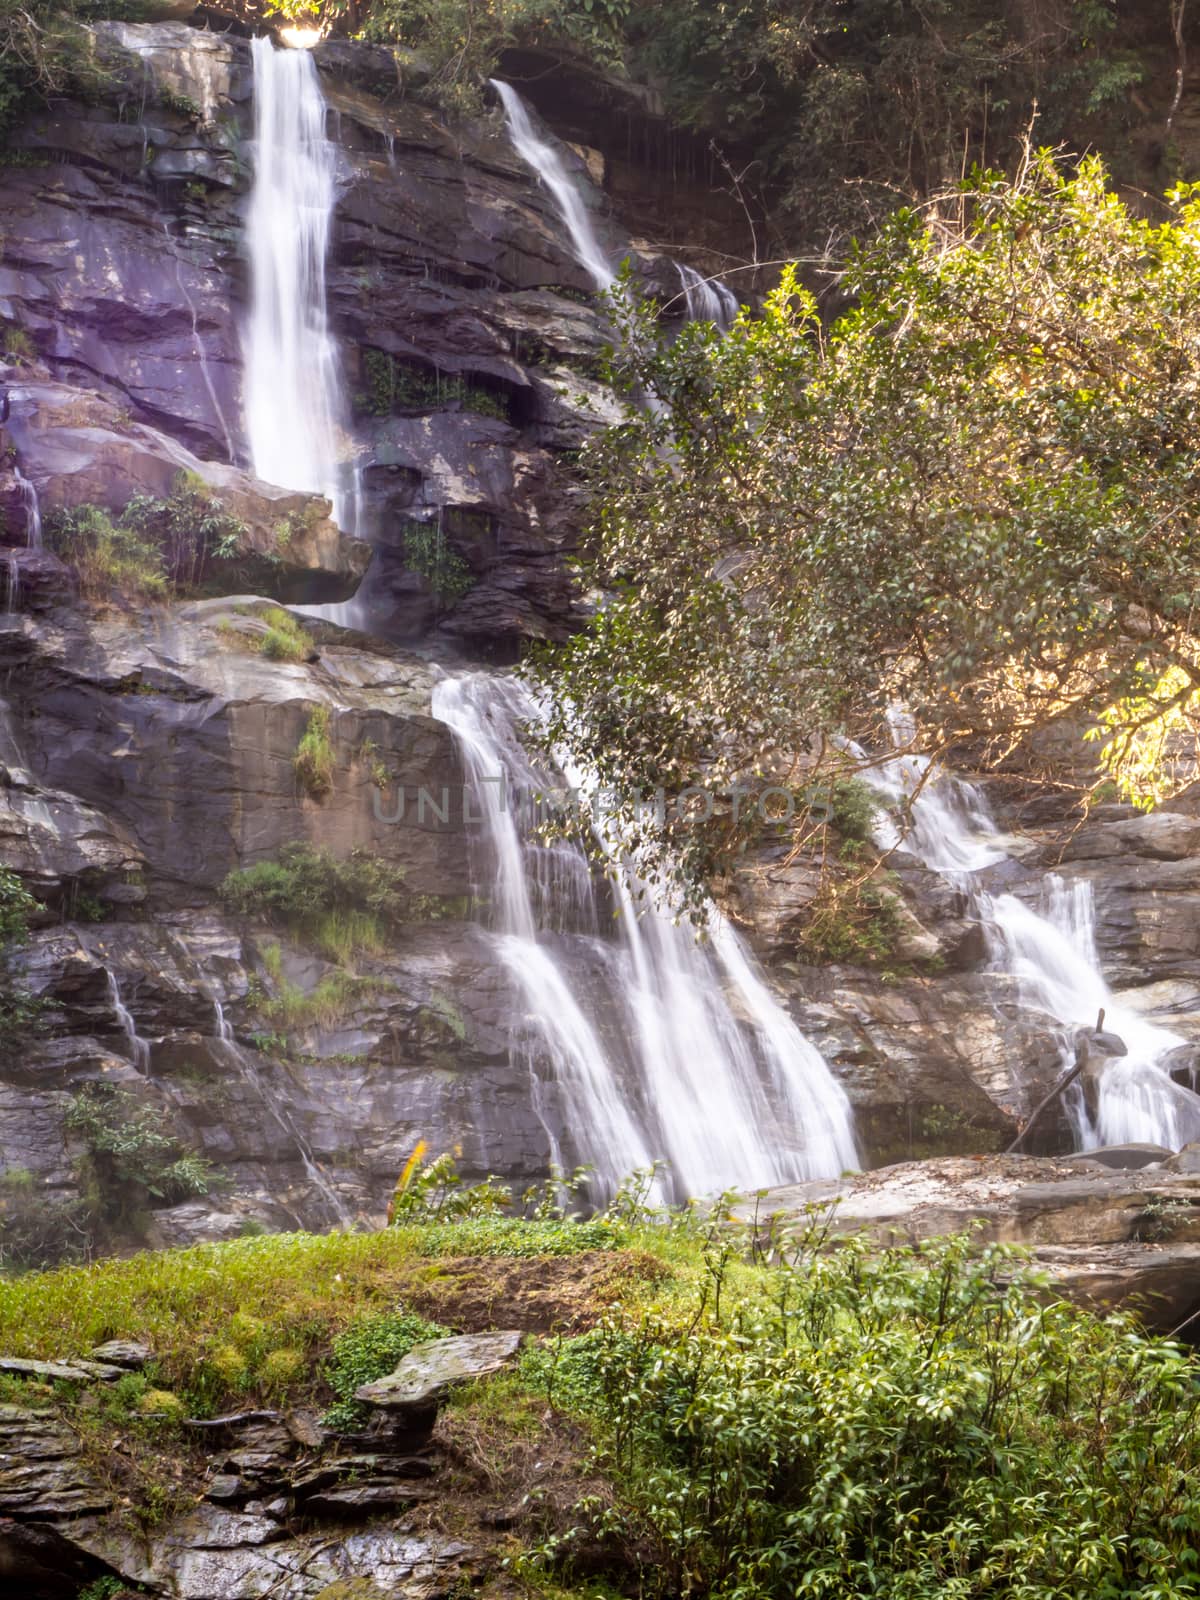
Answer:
(429, 1371)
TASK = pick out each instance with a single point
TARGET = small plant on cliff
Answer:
(336, 906)
(429, 554)
(16, 907)
(313, 760)
(128, 1161)
(285, 639)
(108, 556)
(18, 345)
(370, 1348)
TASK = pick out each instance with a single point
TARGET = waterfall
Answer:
(648, 1045)
(707, 299)
(33, 510)
(545, 160)
(139, 1050)
(248, 1072)
(1049, 954)
(295, 413)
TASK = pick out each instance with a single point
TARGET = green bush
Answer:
(368, 1349)
(108, 555)
(338, 906)
(393, 386)
(128, 1161)
(429, 554)
(313, 760)
(904, 1423)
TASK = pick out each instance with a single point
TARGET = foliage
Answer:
(428, 553)
(37, 1229)
(151, 548)
(903, 1423)
(285, 638)
(16, 907)
(973, 495)
(313, 760)
(129, 1161)
(395, 386)
(339, 907)
(370, 1348)
(433, 1191)
(44, 52)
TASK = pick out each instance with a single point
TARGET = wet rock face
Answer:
(124, 272)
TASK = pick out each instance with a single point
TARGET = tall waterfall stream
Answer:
(641, 1041)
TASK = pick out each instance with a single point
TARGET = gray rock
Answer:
(1129, 1157)
(429, 1371)
(123, 1353)
(62, 1371)
(43, 1476)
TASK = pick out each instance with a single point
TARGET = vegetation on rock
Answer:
(151, 549)
(313, 760)
(336, 906)
(972, 495)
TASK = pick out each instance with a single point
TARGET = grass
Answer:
(247, 1317)
(285, 639)
(313, 760)
(333, 998)
(338, 906)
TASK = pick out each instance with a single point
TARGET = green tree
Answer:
(975, 495)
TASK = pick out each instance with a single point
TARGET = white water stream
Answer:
(295, 414)
(1049, 953)
(648, 1045)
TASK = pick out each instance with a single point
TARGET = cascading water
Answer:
(545, 160)
(707, 299)
(33, 510)
(237, 1058)
(1050, 955)
(650, 1045)
(139, 1050)
(295, 414)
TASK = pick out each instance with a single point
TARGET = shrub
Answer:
(285, 639)
(16, 907)
(850, 920)
(917, 1423)
(128, 1160)
(339, 907)
(150, 548)
(313, 760)
(393, 386)
(108, 555)
(369, 1349)
(429, 554)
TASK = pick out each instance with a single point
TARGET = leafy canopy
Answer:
(975, 494)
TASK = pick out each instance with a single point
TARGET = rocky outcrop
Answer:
(123, 272)
(1114, 1229)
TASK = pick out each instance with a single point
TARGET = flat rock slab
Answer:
(429, 1371)
(63, 1371)
(123, 1353)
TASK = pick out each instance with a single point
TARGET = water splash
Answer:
(650, 1045)
(33, 509)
